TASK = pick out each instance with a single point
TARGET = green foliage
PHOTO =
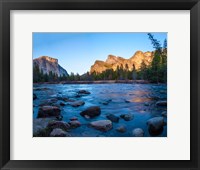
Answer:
(39, 76)
(156, 72)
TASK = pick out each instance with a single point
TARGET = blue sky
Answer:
(76, 52)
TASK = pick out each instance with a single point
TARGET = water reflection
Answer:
(138, 99)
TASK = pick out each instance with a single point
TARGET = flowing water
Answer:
(138, 99)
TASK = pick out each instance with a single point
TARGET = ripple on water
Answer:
(124, 98)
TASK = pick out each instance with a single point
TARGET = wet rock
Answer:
(60, 117)
(40, 125)
(83, 92)
(147, 104)
(102, 125)
(73, 118)
(48, 111)
(127, 117)
(76, 103)
(74, 123)
(59, 133)
(62, 104)
(113, 118)
(161, 103)
(51, 101)
(164, 114)
(34, 96)
(65, 99)
(127, 101)
(121, 129)
(58, 124)
(91, 112)
(138, 132)
(155, 125)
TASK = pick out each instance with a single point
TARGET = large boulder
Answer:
(138, 132)
(127, 117)
(59, 133)
(113, 118)
(155, 125)
(40, 126)
(58, 124)
(91, 112)
(102, 125)
(76, 103)
(48, 111)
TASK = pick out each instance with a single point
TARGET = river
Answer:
(117, 99)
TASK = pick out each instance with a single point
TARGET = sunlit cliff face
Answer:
(114, 62)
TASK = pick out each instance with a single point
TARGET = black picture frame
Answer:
(7, 5)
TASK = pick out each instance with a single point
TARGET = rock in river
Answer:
(50, 102)
(161, 103)
(121, 129)
(113, 118)
(76, 103)
(58, 124)
(83, 92)
(59, 133)
(102, 125)
(91, 112)
(74, 123)
(138, 132)
(48, 111)
(127, 117)
(40, 125)
(155, 125)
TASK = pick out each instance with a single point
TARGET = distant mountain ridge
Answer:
(48, 64)
(112, 62)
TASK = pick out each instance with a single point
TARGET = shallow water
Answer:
(138, 99)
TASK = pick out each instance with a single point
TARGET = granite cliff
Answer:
(47, 64)
(112, 62)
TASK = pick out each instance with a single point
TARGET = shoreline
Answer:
(101, 82)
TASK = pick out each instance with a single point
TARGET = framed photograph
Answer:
(102, 85)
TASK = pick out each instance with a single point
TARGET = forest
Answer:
(156, 72)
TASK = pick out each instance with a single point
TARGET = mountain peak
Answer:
(113, 62)
(50, 59)
(48, 64)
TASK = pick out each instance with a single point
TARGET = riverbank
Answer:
(99, 82)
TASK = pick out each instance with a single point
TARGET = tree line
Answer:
(156, 72)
